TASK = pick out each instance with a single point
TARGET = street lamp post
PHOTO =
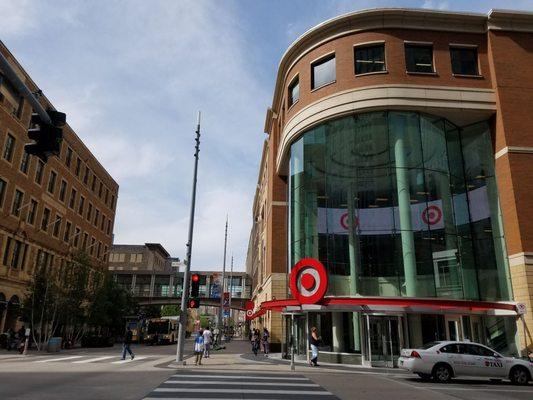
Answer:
(221, 311)
(185, 292)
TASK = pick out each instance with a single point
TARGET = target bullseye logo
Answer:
(432, 215)
(344, 221)
(249, 307)
(309, 281)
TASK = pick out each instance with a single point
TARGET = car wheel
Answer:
(519, 375)
(442, 373)
(424, 377)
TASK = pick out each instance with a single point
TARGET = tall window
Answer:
(24, 162)
(52, 182)
(85, 238)
(112, 205)
(62, 190)
(46, 219)
(68, 157)
(464, 60)
(3, 185)
(9, 147)
(32, 211)
(14, 254)
(72, 200)
(82, 205)
(39, 172)
(78, 166)
(86, 175)
(76, 237)
(89, 212)
(100, 189)
(12, 99)
(102, 222)
(17, 202)
(66, 234)
(369, 59)
(323, 71)
(96, 216)
(93, 185)
(294, 91)
(419, 57)
(57, 226)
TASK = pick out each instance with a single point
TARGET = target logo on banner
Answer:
(249, 307)
(344, 221)
(309, 281)
(432, 215)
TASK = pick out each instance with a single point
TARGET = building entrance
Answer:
(383, 340)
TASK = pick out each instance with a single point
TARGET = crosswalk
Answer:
(81, 359)
(206, 385)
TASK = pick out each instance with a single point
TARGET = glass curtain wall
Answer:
(399, 204)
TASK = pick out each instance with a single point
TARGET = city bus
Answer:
(161, 330)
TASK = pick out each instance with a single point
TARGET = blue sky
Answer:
(131, 76)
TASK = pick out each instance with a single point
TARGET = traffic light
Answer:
(195, 285)
(193, 303)
(47, 137)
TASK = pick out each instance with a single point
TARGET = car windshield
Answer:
(428, 345)
(157, 327)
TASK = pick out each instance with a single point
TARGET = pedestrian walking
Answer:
(208, 340)
(216, 335)
(265, 340)
(199, 347)
(255, 341)
(126, 345)
(314, 341)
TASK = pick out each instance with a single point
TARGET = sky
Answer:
(131, 77)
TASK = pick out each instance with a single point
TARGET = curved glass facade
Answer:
(399, 204)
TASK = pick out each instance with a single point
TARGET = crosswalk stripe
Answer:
(205, 398)
(128, 361)
(59, 359)
(240, 383)
(90, 360)
(239, 377)
(244, 391)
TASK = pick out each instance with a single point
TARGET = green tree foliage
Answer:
(170, 311)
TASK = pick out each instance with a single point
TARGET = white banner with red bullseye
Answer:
(386, 220)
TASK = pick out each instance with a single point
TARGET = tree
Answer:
(170, 311)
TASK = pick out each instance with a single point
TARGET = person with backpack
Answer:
(265, 340)
(255, 341)
(126, 345)
(314, 341)
(208, 340)
(199, 347)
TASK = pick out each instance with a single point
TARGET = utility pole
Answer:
(230, 284)
(185, 291)
(221, 311)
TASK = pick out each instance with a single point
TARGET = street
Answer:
(228, 374)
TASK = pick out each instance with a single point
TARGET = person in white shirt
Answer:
(208, 339)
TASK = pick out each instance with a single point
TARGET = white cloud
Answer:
(436, 5)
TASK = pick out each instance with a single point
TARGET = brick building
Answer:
(48, 212)
(398, 154)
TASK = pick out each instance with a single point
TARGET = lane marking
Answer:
(59, 359)
(90, 360)
(478, 389)
(243, 391)
(129, 360)
(241, 383)
(206, 398)
(239, 377)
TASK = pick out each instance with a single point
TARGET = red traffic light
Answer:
(195, 277)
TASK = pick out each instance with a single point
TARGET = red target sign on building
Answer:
(432, 215)
(308, 281)
(249, 308)
(344, 221)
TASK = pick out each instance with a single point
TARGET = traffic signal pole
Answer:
(185, 292)
(221, 311)
(24, 91)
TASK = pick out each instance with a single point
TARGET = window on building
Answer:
(323, 71)
(39, 169)
(78, 166)
(93, 184)
(62, 190)
(24, 162)
(89, 212)
(100, 188)
(9, 148)
(112, 205)
(72, 201)
(369, 59)
(57, 226)
(108, 230)
(52, 182)
(106, 195)
(102, 222)
(96, 217)
(11, 97)
(68, 157)
(464, 61)
(81, 205)
(17, 202)
(32, 212)
(86, 175)
(66, 234)
(15, 254)
(294, 91)
(76, 237)
(419, 57)
(3, 186)
(93, 241)
(46, 219)
(85, 239)
(99, 249)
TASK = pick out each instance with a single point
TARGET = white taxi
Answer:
(443, 361)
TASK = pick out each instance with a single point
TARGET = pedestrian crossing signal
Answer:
(193, 303)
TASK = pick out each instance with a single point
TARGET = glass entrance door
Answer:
(383, 340)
